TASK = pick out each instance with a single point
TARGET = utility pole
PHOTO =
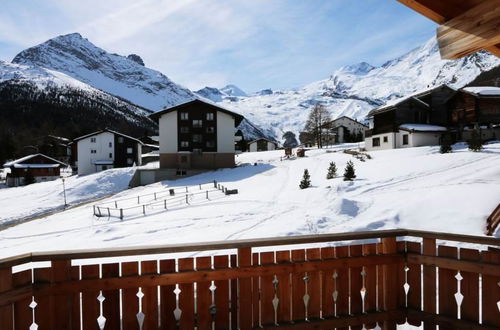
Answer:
(64, 192)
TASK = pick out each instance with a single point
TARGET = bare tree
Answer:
(316, 122)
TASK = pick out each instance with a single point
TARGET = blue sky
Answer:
(254, 44)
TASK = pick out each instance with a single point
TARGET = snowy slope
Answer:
(118, 75)
(415, 188)
(355, 89)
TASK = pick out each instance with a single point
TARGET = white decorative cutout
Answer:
(177, 313)
(101, 321)
(101, 298)
(306, 300)
(335, 275)
(459, 276)
(33, 304)
(363, 293)
(498, 305)
(34, 326)
(140, 318)
(459, 298)
(406, 287)
(335, 295)
(177, 291)
(139, 294)
(212, 287)
(276, 302)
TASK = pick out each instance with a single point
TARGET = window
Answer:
(210, 116)
(129, 150)
(386, 139)
(120, 139)
(180, 172)
(92, 140)
(197, 123)
(210, 129)
(184, 144)
(376, 142)
(210, 144)
(111, 144)
(184, 129)
(92, 151)
(130, 161)
(197, 138)
(405, 139)
(184, 116)
(110, 155)
(104, 167)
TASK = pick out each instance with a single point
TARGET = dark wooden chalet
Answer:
(39, 166)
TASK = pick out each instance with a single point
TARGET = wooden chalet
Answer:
(41, 167)
(262, 144)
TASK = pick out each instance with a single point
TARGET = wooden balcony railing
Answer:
(375, 278)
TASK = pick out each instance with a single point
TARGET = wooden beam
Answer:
(424, 10)
(476, 29)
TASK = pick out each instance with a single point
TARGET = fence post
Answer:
(138, 200)
(6, 285)
(144, 209)
(116, 205)
(165, 204)
(186, 189)
(121, 214)
(155, 196)
(215, 184)
(218, 186)
(187, 199)
(245, 290)
(207, 194)
(93, 206)
(99, 210)
(109, 213)
(61, 305)
(200, 186)
(390, 284)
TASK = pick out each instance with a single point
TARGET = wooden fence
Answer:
(493, 221)
(398, 276)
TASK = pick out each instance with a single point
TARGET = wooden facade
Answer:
(381, 280)
(41, 167)
(469, 109)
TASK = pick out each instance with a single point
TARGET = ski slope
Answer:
(415, 188)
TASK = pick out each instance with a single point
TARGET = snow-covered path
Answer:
(407, 188)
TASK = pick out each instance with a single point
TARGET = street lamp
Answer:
(64, 192)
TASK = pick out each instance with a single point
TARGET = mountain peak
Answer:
(233, 90)
(358, 69)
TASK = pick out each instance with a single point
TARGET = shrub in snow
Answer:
(475, 143)
(445, 144)
(306, 180)
(349, 172)
(29, 178)
(332, 171)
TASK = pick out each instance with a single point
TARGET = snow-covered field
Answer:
(407, 188)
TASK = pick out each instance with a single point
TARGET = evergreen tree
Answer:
(332, 171)
(445, 144)
(29, 178)
(475, 143)
(349, 172)
(306, 180)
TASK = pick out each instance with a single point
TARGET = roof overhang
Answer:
(465, 26)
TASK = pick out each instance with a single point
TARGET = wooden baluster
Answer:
(61, 305)
(470, 288)
(6, 321)
(447, 287)
(401, 294)
(356, 284)
(255, 294)
(90, 304)
(389, 272)
(130, 301)
(167, 298)
(42, 310)
(328, 284)
(244, 290)
(491, 290)
(267, 291)
(370, 284)
(429, 274)
(342, 284)
(283, 287)
(23, 314)
(186, 298)
(414, 281)
(298, 288)
(314, 286)
(111, 305)
(234, 294)
(204, 295)
(222, 295)
(150, 299)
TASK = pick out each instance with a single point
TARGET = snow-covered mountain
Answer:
(233, 90)
(355, 89)
(122, 76)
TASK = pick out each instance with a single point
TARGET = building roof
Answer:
(347, 117)
(413, 97)
(109, 131)
(25, 158)
(237, 117)
(103, 162)
(486, 91)
(422, 128)
(276, 143)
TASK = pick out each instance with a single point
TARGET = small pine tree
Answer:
(445, 144)
(29, 178)
(332, 171)
(306, 180)
(475, 143)
(349, 172)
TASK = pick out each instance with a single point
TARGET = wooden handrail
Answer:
(493, 221)
(238, 244)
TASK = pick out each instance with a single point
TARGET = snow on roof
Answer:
(110, 131)
(36, 165)
(483, 90)
(152, 145)
(155, 153)
(103, 162)
(423, 128)
(25, 158)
